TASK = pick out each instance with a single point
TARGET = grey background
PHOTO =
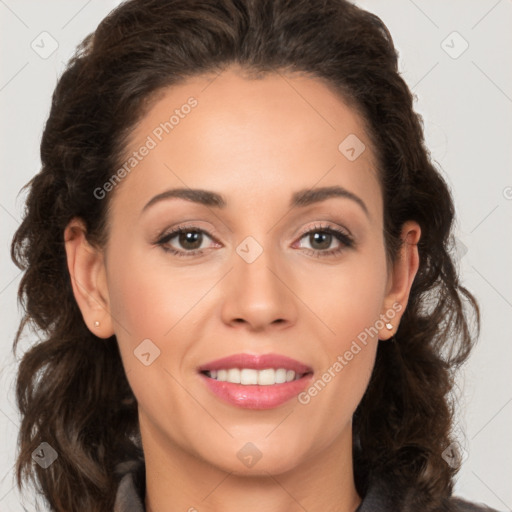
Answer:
(465, 99)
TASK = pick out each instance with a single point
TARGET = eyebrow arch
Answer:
(315, 195)
(299, 199)
(195, 195)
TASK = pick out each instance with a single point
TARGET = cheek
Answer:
(146, 302)
(349, 304)
(347, 298)
(147, 297)
(351, 312)
(152, 300)
(132, 296)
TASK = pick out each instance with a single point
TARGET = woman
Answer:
(237, 252)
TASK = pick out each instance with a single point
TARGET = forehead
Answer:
(236, 134)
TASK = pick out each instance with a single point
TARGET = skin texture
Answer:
(256, 142)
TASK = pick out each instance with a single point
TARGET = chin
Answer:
(254, 459)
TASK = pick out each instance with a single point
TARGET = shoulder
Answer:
(130, 494)
(385, 496)
(460, 505)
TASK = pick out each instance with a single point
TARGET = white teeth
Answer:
(280, 376)
(267, 377)
(233, 375)
(248, 376)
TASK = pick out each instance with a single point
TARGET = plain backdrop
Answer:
(455, 55)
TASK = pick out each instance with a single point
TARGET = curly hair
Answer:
(71, 388)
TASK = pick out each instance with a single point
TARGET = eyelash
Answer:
(344, 238)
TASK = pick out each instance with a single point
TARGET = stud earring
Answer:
(389, 326)
(96, 324)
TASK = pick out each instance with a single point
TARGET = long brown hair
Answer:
(71, 388)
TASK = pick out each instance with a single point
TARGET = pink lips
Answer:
(255, 396)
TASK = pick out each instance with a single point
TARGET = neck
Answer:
(177, 480)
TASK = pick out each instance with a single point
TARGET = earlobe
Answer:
(88, 279)
(402, 276)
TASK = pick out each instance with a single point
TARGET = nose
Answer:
(259, 295)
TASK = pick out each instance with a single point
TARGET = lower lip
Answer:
(254, 396)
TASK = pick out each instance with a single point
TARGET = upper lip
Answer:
(257, 362)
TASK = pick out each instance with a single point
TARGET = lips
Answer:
(250, 395)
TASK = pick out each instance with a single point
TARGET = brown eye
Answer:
(190, 239)
(320, 240)
(184, 241)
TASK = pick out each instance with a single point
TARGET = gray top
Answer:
(132, 488)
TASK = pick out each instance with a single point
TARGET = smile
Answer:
(249, 376)
(252, 381)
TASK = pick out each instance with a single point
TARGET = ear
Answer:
(88, 279)
(400, 280)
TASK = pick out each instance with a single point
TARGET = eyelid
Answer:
(319, 226)
(172, 232)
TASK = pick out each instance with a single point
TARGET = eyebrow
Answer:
(299, 199)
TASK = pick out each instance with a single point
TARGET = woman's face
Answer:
(259, 272)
